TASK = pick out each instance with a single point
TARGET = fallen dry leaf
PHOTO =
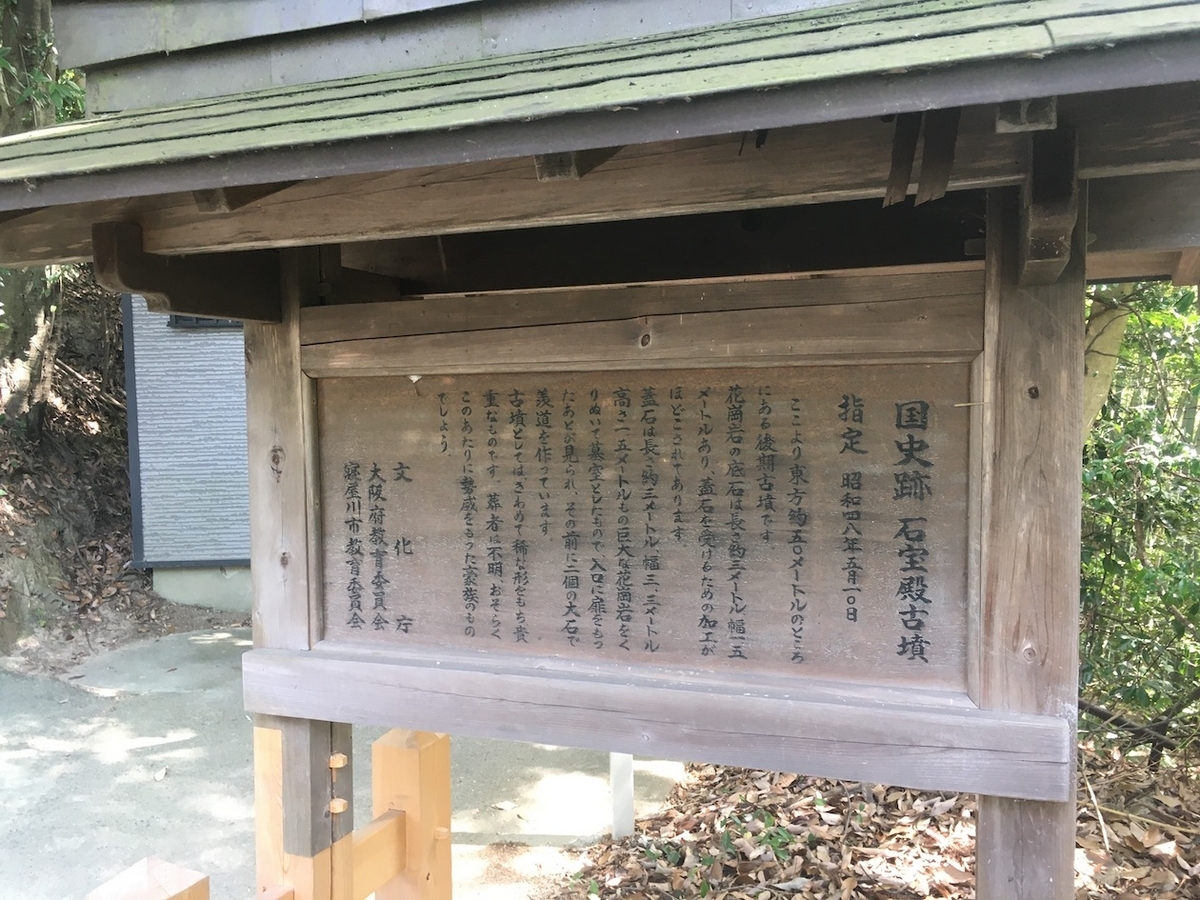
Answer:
(732, 833)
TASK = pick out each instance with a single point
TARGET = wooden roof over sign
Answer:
(96, 158)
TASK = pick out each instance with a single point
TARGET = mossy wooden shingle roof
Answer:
(814, 49)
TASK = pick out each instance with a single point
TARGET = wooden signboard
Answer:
(786, 522)
(737, 535)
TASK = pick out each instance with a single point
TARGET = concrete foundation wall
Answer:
(226, 587)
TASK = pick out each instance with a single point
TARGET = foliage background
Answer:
(1140, 601)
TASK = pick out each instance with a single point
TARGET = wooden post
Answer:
(303, 814)
(1028, 630)
(281, 435)
(410, 771)
(153, 879)
(302, 776)
(620, 785)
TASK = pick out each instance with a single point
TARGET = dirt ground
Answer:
(68, 588)
(66, 638)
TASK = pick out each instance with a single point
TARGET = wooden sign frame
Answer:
(932, 738)
(1009, 735)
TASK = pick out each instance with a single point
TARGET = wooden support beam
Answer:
(507, 309)
(228, 199)
(1036, 114)
(153, 879)
(901, 736)
(841, 161)
(1049, 206)
(302, 777)
(852, 235)
(11, 215)
(284, 529)
(380, 852)
(902, 330)
(410, 771)
(1187, 270)
(303, 813)
(937, 157)
(1120, 133)
(1032, 372)
(221, 285)
(339, 284)
(572, 165)
(1131, 265)
(1144, 212)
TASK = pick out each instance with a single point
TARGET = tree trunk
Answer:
(32, 66)
(28, 333)
(1106, 324)
(30, 346)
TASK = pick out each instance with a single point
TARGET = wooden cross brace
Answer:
(305, 846)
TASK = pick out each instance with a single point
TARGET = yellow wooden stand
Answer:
(411, 772)
(402, 854)
(153, 879)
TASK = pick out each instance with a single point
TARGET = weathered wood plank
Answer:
(937, 155)
(283, 528)
(1144, 212)
(1030, 567)
(307, 876)
(842, 161)
(1131, 265)
(1135, 132)
(411, 772)
(327, 324)
(312, 787)
(904, 149)
(837, 731)
(921, 330)
(1187, 270)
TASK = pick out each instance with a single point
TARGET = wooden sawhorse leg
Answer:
(410, 771)
(305, 841)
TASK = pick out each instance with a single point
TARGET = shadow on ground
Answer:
(146, 751)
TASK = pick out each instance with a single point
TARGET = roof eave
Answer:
(1133, 65)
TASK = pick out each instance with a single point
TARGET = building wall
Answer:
(187, 442)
